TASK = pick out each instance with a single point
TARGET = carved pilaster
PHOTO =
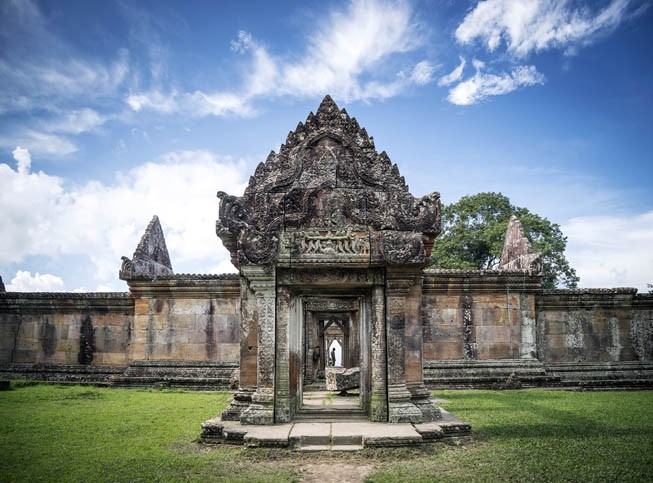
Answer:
(379, 395)
(400, 407)
(261, 282)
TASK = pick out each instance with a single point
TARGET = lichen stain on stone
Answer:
(86, 341)
(210, 334)
(48, 338)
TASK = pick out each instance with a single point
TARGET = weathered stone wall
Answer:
(186, 318)
(475, 315)
(483, 325)
(595, 325)
(65, 328)
(178, 318)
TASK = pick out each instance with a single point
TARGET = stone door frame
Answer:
(356, 305)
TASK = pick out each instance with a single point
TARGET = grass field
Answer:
(55, 433)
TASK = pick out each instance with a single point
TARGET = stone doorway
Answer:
(333, 387)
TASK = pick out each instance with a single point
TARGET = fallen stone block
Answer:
(342, 379)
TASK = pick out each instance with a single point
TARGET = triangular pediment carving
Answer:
(329, 194)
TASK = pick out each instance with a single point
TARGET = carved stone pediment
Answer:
(328, 197)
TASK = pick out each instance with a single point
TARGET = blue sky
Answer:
(111, 112)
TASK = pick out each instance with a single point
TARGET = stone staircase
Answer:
(189, 375)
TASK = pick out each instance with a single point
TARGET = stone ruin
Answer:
(331, 247)
(151, 259)
(518, 254)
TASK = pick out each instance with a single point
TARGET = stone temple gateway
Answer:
(327, 226)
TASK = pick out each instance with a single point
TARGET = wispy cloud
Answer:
(484, 85)
(38, 142)
(350, 55)
(49, 90)
(453, 76)
(527, 26)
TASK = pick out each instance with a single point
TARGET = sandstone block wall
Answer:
(46, 328)
(478, 315)
(595, 325)
(186, 319)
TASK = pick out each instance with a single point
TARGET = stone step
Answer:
(331, 414)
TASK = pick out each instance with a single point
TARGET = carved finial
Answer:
(518, 254)
(151, 258)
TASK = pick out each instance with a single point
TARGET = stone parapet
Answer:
(64, 302)
(187, 286)
(479, 281)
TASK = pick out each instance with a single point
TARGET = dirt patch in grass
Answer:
(334, 473)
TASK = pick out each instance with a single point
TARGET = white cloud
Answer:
(75, 121)
(482, 85)
(25, 282)
(350, 56)
(39, 143)
(102, 222)
(527, 26)
(23, 160)
(453, 76)
(609, 251)
(155, 100)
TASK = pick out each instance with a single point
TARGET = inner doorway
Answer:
(334, 370)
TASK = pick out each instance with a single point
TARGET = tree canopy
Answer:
(473, 231)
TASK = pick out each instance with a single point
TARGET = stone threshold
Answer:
(333, 436)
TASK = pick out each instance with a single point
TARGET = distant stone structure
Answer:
(518, 254)
(151, 259)
(330, 246)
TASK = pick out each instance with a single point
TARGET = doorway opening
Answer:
(334, 371)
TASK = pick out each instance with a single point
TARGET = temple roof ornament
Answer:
(151, 259)
(328, 198)
(518, 254)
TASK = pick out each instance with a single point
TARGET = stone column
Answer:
(248, 354)
(284, 407)
(262, 284)
(400, 407)
(379, 376)
(414, 333)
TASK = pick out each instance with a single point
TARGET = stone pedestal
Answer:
(261, 411)
(241, 401)
(421, 398)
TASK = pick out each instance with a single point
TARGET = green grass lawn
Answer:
(55, 433)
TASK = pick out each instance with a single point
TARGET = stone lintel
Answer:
(188, 286)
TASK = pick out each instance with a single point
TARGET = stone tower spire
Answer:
(150, 258)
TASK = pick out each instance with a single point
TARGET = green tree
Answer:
(473, 232)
